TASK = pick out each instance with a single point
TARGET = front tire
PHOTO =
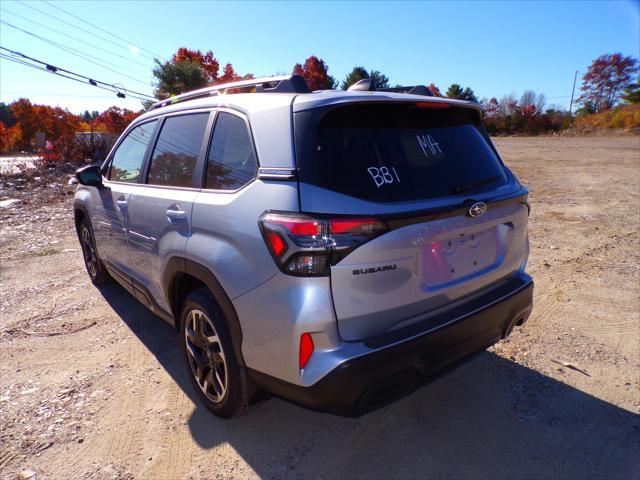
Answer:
(209, 355)
(95, 268)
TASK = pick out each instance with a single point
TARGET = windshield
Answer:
(396, 152)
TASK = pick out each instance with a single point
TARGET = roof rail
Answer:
(282, 84)
(366, 84)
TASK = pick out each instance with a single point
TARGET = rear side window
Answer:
(176, 151)
(231, 161)
(396, 152)
(128, 157)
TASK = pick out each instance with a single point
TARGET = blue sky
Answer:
(494, 47)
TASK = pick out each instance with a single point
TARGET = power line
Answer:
(76, 76)
(12, 59)
(78, 28)
(77, 53)
(95, 26)
(103, 30)
(54, 69)
(76, 39)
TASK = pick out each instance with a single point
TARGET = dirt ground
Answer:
(92, 386)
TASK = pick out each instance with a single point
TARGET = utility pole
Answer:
(573, 90)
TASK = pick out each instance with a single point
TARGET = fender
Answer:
(79, 205)
(178, 265)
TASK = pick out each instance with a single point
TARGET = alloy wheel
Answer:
(206, 355)
(89, 253)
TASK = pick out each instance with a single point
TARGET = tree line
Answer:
(609, 97)
(68, 136)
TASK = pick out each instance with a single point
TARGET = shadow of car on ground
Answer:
(489, 418)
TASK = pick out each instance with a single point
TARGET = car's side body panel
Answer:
(225, 235)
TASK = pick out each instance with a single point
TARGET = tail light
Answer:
(303, 245)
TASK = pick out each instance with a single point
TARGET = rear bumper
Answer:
(395, 368)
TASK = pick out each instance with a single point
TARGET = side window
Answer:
(176, 151)
(231, 162)
(127, 159)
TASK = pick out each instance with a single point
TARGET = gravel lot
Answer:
(92, 386)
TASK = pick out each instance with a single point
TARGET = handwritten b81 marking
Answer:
(382, 175)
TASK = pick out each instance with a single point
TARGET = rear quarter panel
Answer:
(226, 237)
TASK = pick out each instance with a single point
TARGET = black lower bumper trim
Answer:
(367, 382)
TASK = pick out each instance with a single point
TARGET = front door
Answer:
(111, 203)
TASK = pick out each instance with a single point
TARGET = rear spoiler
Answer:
(367, 85)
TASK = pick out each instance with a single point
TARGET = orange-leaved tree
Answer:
(315, 72)
(189, 70)
(207, 61)
(229, 75)
(434, 90)
(114, 120)
(58, 125)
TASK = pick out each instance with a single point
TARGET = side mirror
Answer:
(91, 176)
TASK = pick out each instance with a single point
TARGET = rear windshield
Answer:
(396, 152)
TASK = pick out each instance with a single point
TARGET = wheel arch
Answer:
(79, 214)
(182, 276)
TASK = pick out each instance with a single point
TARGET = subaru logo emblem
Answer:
(477, 209)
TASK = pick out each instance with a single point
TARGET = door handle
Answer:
(176, 214)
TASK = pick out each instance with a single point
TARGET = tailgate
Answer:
(407, 274)
(385, 160)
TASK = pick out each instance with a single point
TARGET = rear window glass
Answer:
(391, 152)
(231, 162)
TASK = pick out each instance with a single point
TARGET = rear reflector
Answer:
(306, 349)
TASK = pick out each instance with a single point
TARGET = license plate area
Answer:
(455, 258)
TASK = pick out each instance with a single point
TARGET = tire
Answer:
(209, 356)
(95, 268)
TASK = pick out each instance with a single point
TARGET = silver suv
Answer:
(336, 249)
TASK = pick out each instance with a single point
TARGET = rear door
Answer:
(420, 167)
(160, 209)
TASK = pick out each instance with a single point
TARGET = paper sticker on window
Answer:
(429, 146)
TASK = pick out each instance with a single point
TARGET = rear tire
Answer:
(210, 358)
(95, 268)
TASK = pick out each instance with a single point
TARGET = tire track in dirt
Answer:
(174, 458)
(125, 441)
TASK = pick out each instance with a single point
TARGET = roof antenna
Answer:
(364, 85)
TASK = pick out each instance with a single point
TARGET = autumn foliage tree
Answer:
(435, 91)
(207, 61)
(58, 125)
(189, 70)
(4, 138)
(69, 137)
(510, 115)
(114, 120)
(607, 77)
(315, 72)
